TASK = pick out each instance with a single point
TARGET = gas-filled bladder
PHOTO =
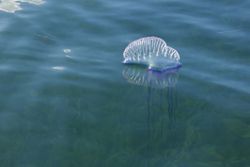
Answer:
(152, 52)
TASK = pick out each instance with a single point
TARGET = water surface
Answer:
(65, 99)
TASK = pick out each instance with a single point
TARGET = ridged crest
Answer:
(151, 51)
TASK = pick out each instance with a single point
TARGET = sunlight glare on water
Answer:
(12, 6)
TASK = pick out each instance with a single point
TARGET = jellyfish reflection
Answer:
(160, 84)
(160, 102)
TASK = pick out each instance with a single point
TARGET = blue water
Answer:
(67, 100)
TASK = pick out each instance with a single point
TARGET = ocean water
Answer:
(67, 100)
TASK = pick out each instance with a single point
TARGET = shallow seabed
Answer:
(67, 100)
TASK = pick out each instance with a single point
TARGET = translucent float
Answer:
(152, 52)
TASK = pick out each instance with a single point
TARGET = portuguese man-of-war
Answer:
(152, 52)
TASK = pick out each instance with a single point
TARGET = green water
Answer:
(83, 108)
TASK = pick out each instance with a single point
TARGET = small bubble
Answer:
(58, 68)
(66, 50)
